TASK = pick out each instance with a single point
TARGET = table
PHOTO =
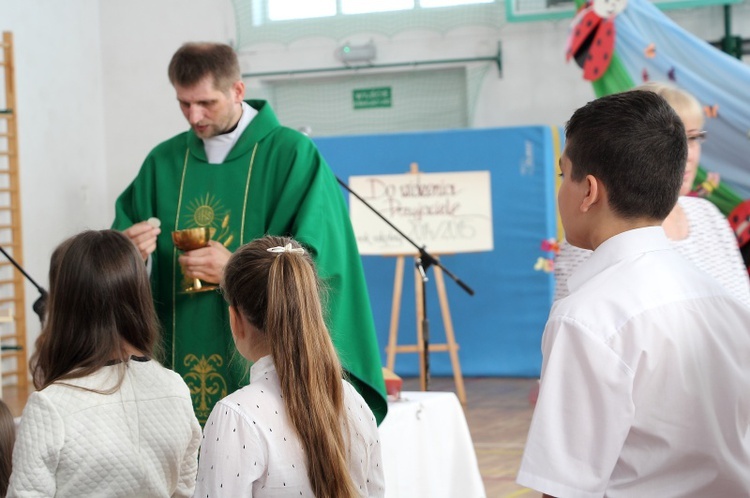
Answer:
(427, 448)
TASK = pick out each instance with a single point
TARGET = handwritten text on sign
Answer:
(446, 212)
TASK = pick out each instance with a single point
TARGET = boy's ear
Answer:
(594, 193)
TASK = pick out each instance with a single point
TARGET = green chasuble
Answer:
(274, 181)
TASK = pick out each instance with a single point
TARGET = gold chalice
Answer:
(188, 240)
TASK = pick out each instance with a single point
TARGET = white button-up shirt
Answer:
(645, 387)
(250, 447)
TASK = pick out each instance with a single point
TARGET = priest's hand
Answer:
(206, 263)
(143, 235)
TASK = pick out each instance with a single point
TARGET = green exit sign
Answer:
(370, 98)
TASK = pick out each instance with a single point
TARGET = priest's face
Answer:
(211, 111)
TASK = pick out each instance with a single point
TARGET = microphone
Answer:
(40, 305)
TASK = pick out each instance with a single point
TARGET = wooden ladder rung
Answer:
(15, 333)
(16, 372)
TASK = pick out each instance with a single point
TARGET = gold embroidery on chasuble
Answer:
(207, 385)
(208, 211)
(204, 377)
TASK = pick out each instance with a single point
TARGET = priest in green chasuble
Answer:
(242, 175)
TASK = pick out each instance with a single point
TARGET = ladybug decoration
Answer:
(592, 38)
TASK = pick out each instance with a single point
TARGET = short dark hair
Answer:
(635, 144)
(194, 61)
(100, 296)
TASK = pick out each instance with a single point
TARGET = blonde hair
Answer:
(683, 103)
(279, 293)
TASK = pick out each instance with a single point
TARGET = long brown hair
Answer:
(7, 440)
(99, 301)
(279, 293)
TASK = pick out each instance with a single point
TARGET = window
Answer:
(286, 21)
(368, 6)
(285, 10)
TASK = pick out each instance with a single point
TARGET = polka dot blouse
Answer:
(250, 448)
(710, 245)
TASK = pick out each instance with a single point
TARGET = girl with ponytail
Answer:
(298, 429)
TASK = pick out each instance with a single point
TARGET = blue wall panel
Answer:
(499, 328)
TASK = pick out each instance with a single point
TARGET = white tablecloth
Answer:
(427, 448)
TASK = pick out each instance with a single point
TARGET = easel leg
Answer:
(420, 337)
(398, 285)
(450, 337)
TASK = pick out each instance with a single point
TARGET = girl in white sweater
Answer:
(107, 420)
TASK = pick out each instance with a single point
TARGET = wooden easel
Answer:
(450, 345)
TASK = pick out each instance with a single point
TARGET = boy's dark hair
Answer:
(635, 144)
(194, 61)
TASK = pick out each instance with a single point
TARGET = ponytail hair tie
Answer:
(286, 248)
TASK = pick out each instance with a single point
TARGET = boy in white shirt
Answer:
(644, 387)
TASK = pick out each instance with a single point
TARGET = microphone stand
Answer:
(40, 305)
(422, 263)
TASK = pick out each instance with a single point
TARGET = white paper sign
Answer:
(446, 212)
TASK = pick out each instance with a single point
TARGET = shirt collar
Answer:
(261, 367)
(217, 148)
(622, 246)
(264, 121)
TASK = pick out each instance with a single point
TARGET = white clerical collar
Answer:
(218, 147)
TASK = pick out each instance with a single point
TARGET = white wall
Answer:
(60, 126)
(138, 38)
(538, 86)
